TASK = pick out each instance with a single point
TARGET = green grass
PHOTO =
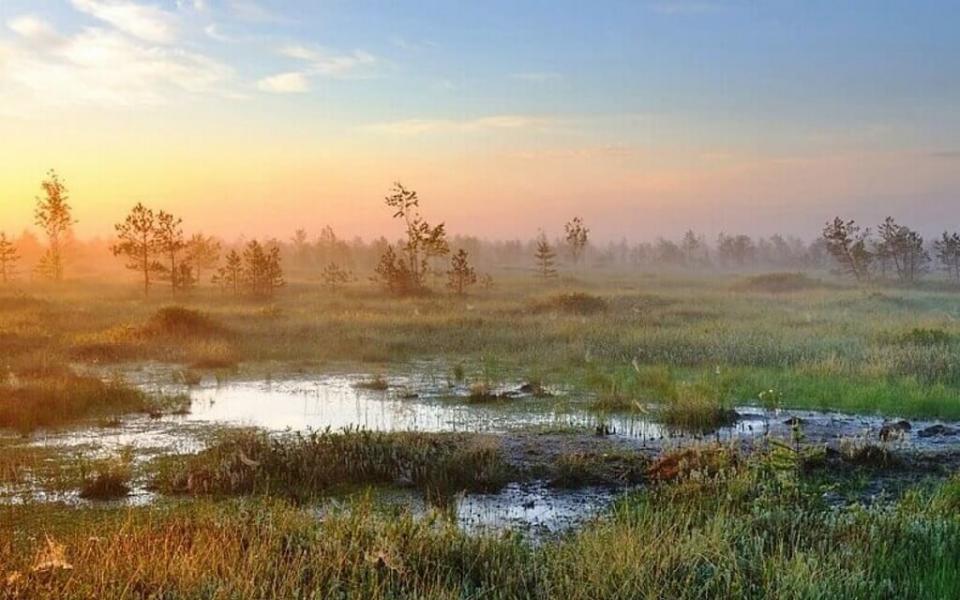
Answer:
(310, 464)
(737, 533)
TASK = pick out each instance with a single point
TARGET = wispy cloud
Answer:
(536, 76)
(146, 22)
(322, 62)
(214, 32)
(100, 67)
(34, 30)
(316, 63)
(411, 127)
(285, 83)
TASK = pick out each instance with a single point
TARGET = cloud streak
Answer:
(146, 22)
(413, 127)
(285, 83)
(325, 63)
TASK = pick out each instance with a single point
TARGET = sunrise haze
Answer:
(646, 118)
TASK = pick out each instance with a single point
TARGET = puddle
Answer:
(336, 401)
(535, 509)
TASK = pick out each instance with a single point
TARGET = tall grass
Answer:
(51, 400)
(307, 464)
(730, 535)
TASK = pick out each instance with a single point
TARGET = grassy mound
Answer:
(176, 321)
(577, 303)
(779, 283)
(303, 465)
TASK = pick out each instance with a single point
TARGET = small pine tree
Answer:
(545, 257)
(137, 240)
(461, 275)
(333, 276)
(171, 243)
(184, 278)
(203, 252)
(8, 259)
(228, 276)
(392, 272)
(262, 274)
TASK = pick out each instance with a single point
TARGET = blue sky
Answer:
(648, 95)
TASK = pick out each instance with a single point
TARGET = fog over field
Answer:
(623, 299)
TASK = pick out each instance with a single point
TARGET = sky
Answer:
(645, 118)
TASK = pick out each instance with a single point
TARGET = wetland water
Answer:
(418, 403)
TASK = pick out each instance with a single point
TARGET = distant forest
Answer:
(156, 245)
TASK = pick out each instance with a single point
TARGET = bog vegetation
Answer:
(681, 333)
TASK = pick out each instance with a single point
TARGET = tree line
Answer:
(153, 244)
(892, 251)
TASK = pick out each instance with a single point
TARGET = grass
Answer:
(375, 383)
(53, 400)
(831, 333)
(732, 533)
(107, 479)
(239, 519)
(177, 321)
(305, 465)
(779, 283)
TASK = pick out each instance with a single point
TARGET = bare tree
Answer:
(545, 256)
(847, 244)
(203, 252)
(138, 241)
(8, 259)
(461, 275)
(577, 237)
(53, 215)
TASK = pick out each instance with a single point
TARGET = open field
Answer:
(675, 423)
